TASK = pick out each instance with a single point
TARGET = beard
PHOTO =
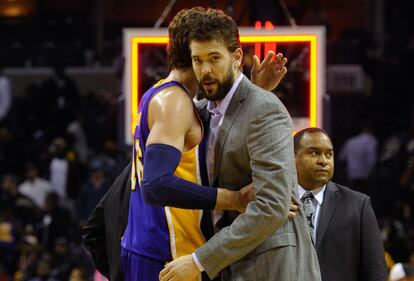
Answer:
(222, 89)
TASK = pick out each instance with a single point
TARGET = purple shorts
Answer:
(140, 268)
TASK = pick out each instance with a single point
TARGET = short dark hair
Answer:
(178, 46)
(209, 24)
(299, 135)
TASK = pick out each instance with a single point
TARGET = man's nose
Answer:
(323, 160)
(206, 68)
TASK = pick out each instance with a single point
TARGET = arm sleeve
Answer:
(270, 147)
(161, 187)
(373, 254)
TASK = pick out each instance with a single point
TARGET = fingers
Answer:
(269, 56)
(283, 71)
(256, 62)
(280, 61)
(292, 210)
(278, 58)
(165, 274)
(293, 207)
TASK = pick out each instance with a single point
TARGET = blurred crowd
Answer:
(58, 156)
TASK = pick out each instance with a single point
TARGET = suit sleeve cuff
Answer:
(197, 262)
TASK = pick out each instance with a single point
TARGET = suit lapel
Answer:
(229, 117)
(204, 114)
(327, 210)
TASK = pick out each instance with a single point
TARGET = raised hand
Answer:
(270, 72)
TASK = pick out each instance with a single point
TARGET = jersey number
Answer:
(137, 172)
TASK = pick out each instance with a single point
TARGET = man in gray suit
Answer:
(249, 140)
(347, 239)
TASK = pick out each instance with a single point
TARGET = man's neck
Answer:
(310, 188)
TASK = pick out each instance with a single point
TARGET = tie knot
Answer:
(215, 118)
(307, 195)
(215, 113)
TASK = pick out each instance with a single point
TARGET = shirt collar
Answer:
(223, 104)
(317, 193)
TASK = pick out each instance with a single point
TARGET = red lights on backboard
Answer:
(269, 37)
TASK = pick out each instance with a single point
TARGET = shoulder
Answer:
(347, 193)
(260, 98)
(42, 182)
(23, 185)
(172, 93)
(171, 100)
(263, 106)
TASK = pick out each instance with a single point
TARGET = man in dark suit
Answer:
(105, 226)
(342, 222)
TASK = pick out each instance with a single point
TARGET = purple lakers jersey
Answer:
(155, 232)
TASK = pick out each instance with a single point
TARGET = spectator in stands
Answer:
(29, 255)
(22, 206)
(78, 273)
(56, 222)
(60, 97)
(59, 168)
(5, 96)
(93, 190)
(360, 155)
(77, 140)
(8, 237)
(112, 158)
(65, 173)
(62, 259)
(43, 271)
(35, 187)
(99, 118)
(106, 225)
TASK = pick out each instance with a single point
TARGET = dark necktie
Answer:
(309, 209)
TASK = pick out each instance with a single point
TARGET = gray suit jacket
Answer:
(348, 240)
(255, 144)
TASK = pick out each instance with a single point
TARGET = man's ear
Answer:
(237, 57)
